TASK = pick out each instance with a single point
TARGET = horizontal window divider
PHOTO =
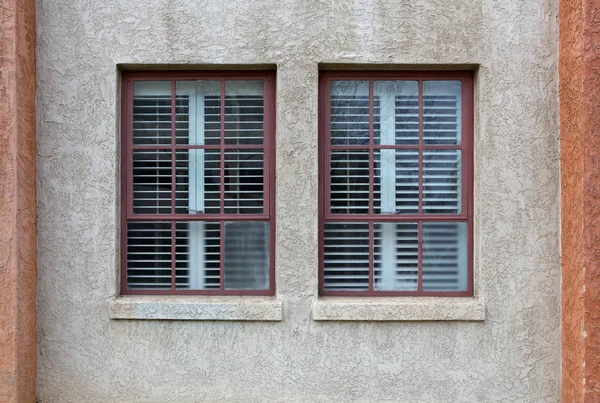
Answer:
(199, 292)
(197, 217)
(395, 218)
(396, 147)
(169, 147)
(395, 293)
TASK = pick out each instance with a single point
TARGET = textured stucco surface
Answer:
(196, 308)
(398, 309)
(17, 201)
(84, 356)
(579, 64)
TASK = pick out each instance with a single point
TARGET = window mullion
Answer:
(371, 149)
(420, 256)
(173, 184)
(222, 142)
(371, 183)
(173, 161)
(420, 224)
(371, 255)
(196, 180)
(222, 255)
(420, 147)
(222, 192)
(173, 255)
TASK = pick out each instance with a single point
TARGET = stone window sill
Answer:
(398, 309)
(196, 308)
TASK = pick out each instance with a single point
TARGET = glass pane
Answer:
(442, 112)
(396, 188)
(445, 264)
(148, 255)
(244, 182)
(198, 112)
(396, 260)
(349, 113)
(244, 112)
(246, 256)
(442, 181)
(397, 118)
(198, 188)
(197, 251)
(350, 182)
(151, 112)
(152, 182)
(346, 257)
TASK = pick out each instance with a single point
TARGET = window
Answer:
(198, 190)
(396, 175)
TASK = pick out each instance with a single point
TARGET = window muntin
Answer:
(396, 180)
(197, 183)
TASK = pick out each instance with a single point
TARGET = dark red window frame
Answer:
(325, 79)
(127, 147)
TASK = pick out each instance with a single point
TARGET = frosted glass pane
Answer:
(246, 265)
(445, 263)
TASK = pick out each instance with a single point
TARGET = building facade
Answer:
(295, 337)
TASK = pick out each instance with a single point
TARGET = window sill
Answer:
(398, 309)
(268, 309)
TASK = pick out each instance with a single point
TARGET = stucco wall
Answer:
(86, 357)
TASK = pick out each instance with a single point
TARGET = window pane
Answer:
(396, 189)
(151, 112)
(198, 181)
(244, 182)
(397, 118)
(349, 113)
(442, 181)
(346, 257)
(445, 264)
(244, 112)
(350, 182)
(152, 182)
(442, 112)
(198, 112)
(396, 259)
(246, 256)
(149, 255)
(198, 247)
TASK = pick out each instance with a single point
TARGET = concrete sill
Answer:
(398, 309)
(196, 308)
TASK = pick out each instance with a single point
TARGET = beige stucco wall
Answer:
(84, 356)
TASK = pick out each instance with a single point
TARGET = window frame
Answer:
(126, 175)
(466, 77)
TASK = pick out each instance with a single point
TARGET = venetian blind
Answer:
(395, 257)
(198, 176)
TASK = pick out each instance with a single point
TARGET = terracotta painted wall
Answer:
(579, 72)
(17, 201)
